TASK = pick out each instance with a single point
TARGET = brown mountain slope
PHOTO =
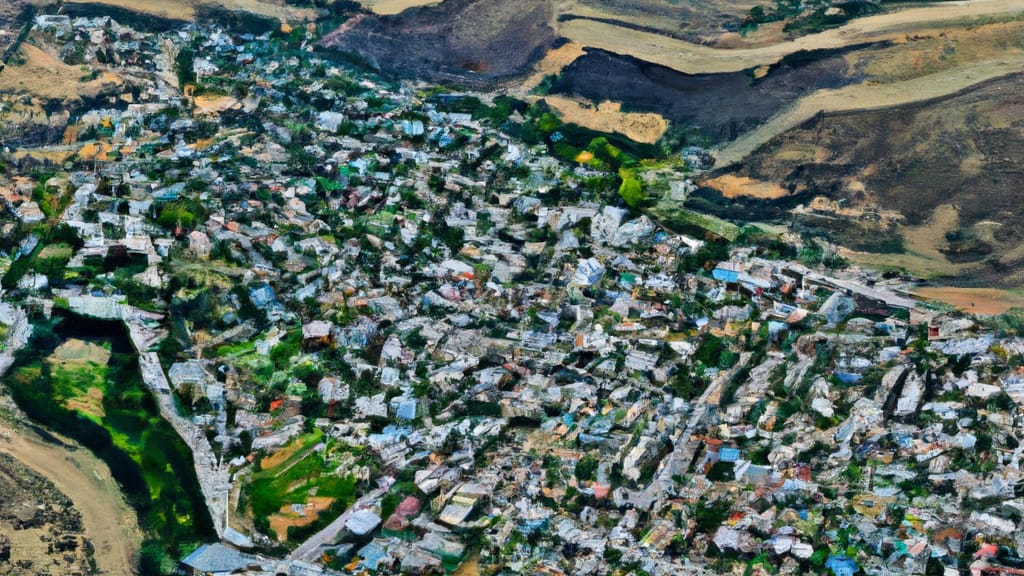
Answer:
(951, 168)
(468, 41)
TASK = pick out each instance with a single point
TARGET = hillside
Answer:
(945, 166)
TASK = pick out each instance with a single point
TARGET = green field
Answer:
(294, 474)
(89, 388)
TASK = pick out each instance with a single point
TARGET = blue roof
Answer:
(725, 275)
(406, 410)
(848, 377)
(841, 565)
(372, 556)
(729, 454)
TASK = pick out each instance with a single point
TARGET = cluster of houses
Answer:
(538, 379)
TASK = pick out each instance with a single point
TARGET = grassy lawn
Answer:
(297, 474)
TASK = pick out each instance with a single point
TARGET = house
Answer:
(317, 334)
(842, 566)
(219, 560)
(588, 272)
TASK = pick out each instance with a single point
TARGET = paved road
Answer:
(309, 550)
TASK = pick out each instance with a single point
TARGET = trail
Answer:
(867, 97)
(110, 524)
(693, 58)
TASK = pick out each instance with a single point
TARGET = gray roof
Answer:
(218, 558)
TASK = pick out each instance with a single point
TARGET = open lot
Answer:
(643, 127)
(974, 300)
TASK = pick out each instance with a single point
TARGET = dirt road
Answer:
(697, 59)
(110, 524)
(868, 97)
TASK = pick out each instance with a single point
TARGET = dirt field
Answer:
(975, 300)
(469, 567)
(609, 117)
(45, 76)
(552, 63)
(286, 517)
(924, 256)
(385, 7)
(735, 186)
(281, 456)
(109, 523)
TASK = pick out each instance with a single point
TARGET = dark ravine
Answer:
(720, 106)
(131, 412)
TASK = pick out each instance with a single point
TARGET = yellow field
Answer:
(45, 76)
(385, 7)
(742, 186)
(609, 117)
(185, 9)
(975, 300)
(696, 59)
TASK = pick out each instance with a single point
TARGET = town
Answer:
(408, 329)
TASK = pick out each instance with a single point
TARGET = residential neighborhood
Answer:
(407, 329)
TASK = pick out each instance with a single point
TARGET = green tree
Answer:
(632, 192)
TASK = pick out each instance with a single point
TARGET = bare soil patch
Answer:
(735, 186)
(45, 76)
(387, 7)
(986, 301)
(287, 516)
(106, 519)
(643, 127)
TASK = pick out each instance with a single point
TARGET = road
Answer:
(309, 550)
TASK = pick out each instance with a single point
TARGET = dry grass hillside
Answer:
(949, 166)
